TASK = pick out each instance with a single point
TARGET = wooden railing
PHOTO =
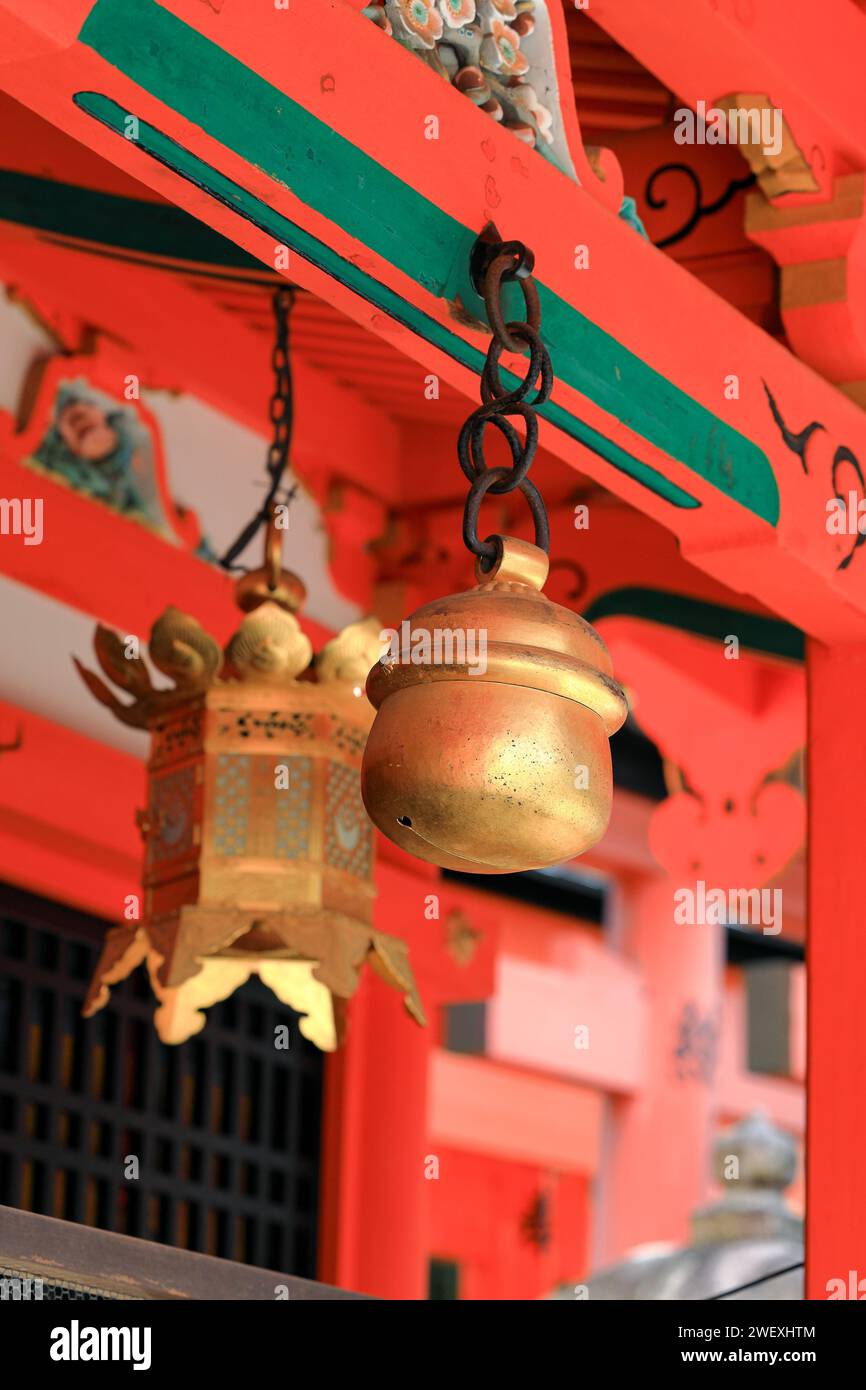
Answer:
(44, 1258)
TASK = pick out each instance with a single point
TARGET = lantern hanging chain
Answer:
(281, 416)
(502, 262)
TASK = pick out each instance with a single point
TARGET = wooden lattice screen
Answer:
(225, 1128)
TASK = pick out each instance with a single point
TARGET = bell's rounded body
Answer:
(489, 752)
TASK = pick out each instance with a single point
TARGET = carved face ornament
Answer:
(84, 428)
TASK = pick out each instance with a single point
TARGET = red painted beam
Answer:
(514, 1113)
(713, 248)
(537, 1008)
(112, 568)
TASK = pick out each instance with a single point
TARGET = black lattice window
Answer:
(225, 1127)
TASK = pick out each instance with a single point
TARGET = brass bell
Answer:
(489, 751)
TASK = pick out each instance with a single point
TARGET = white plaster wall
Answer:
(39, 637)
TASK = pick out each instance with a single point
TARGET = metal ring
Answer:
(539, 369)
(492, 291)
(470, 445)
(524, 259)
(486, 549)
(487, 247)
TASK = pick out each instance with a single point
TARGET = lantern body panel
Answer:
(171, 825)
(271, 847)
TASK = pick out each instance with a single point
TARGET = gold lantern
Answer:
(258, 854)
(490, 751)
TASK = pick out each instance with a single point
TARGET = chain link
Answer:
(280, 412)
(499, 403)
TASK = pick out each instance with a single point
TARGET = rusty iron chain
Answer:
(280, 413)
(504, 262)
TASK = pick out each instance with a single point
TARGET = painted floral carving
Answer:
(526, 100)
(456, 13)
(420, 19)
(378, 16)
(477, 45)
(473, 84)
(500, 51)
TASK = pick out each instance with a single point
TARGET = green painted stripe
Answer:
(206, 85)
(110, 219)
(770, 636)
(264, 126)
(287, 233)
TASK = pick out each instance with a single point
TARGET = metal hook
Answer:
(486, 247)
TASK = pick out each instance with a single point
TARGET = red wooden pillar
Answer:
(375, 1184)
(374, 1210)
(657, 1141)
(836, 960)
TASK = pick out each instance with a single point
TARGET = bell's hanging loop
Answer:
(518, 563)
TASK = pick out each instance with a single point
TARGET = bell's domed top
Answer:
(528, 639)
(509, 603)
